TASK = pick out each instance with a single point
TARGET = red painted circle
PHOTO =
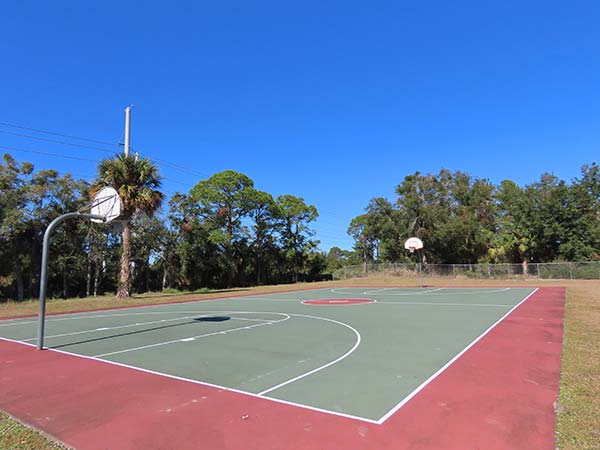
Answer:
(338, 301)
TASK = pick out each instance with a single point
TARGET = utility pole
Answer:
(127, 128)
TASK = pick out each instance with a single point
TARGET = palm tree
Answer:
(137, 181)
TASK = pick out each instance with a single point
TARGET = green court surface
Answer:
(344, 357)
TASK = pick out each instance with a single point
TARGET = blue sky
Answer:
(334, 101)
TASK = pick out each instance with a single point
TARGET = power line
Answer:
(70, 136)
(175, 181)
(72, 144)
(180, 168)
(77, 158)
(56, 155)
(165, 163)
(29, 136)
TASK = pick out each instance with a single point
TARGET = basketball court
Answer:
(320, 365)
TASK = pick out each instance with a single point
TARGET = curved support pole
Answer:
(44, 274)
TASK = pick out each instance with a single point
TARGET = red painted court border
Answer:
(499, 395)
(338, 301)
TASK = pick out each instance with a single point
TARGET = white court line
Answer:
(94, 316)
(403, 293)
(125, 314)
(374, 290)
(449, 363)
(253, 320)
(348, 353)
(277, 299)
(446, 304)
(191, 338)
(59, 316)
(111, 328)
(363, 301)
(138, 324)
(201, 383)
(446, 292)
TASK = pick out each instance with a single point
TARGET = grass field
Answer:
(16, 436)
(578, 410)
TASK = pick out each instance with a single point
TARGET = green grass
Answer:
(178, 291)
(16, 436)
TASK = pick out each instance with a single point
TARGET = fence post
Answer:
(571, 270)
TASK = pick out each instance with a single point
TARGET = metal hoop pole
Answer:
(420, 269)
(44, 274)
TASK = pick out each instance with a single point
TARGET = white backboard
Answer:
(106, 203)
(413, 244)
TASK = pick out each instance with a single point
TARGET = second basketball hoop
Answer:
(412, 244)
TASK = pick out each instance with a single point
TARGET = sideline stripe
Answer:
(416, 291)
(348, 353)
(139, 324)
(446, 292)
(374, 290)
(449, 363)
(112, 328)
(128, 307)
(91, 315)
(402, 293)
(446, 304)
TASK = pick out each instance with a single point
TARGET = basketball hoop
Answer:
(106, 203)
(105, 207)
(413, 244)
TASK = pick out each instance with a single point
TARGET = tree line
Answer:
(225, 232)
(463, 219)
(222, 233)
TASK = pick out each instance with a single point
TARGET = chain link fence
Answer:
(557, 270)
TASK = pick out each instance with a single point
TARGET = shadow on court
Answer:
(132, 333)
(212, 319)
